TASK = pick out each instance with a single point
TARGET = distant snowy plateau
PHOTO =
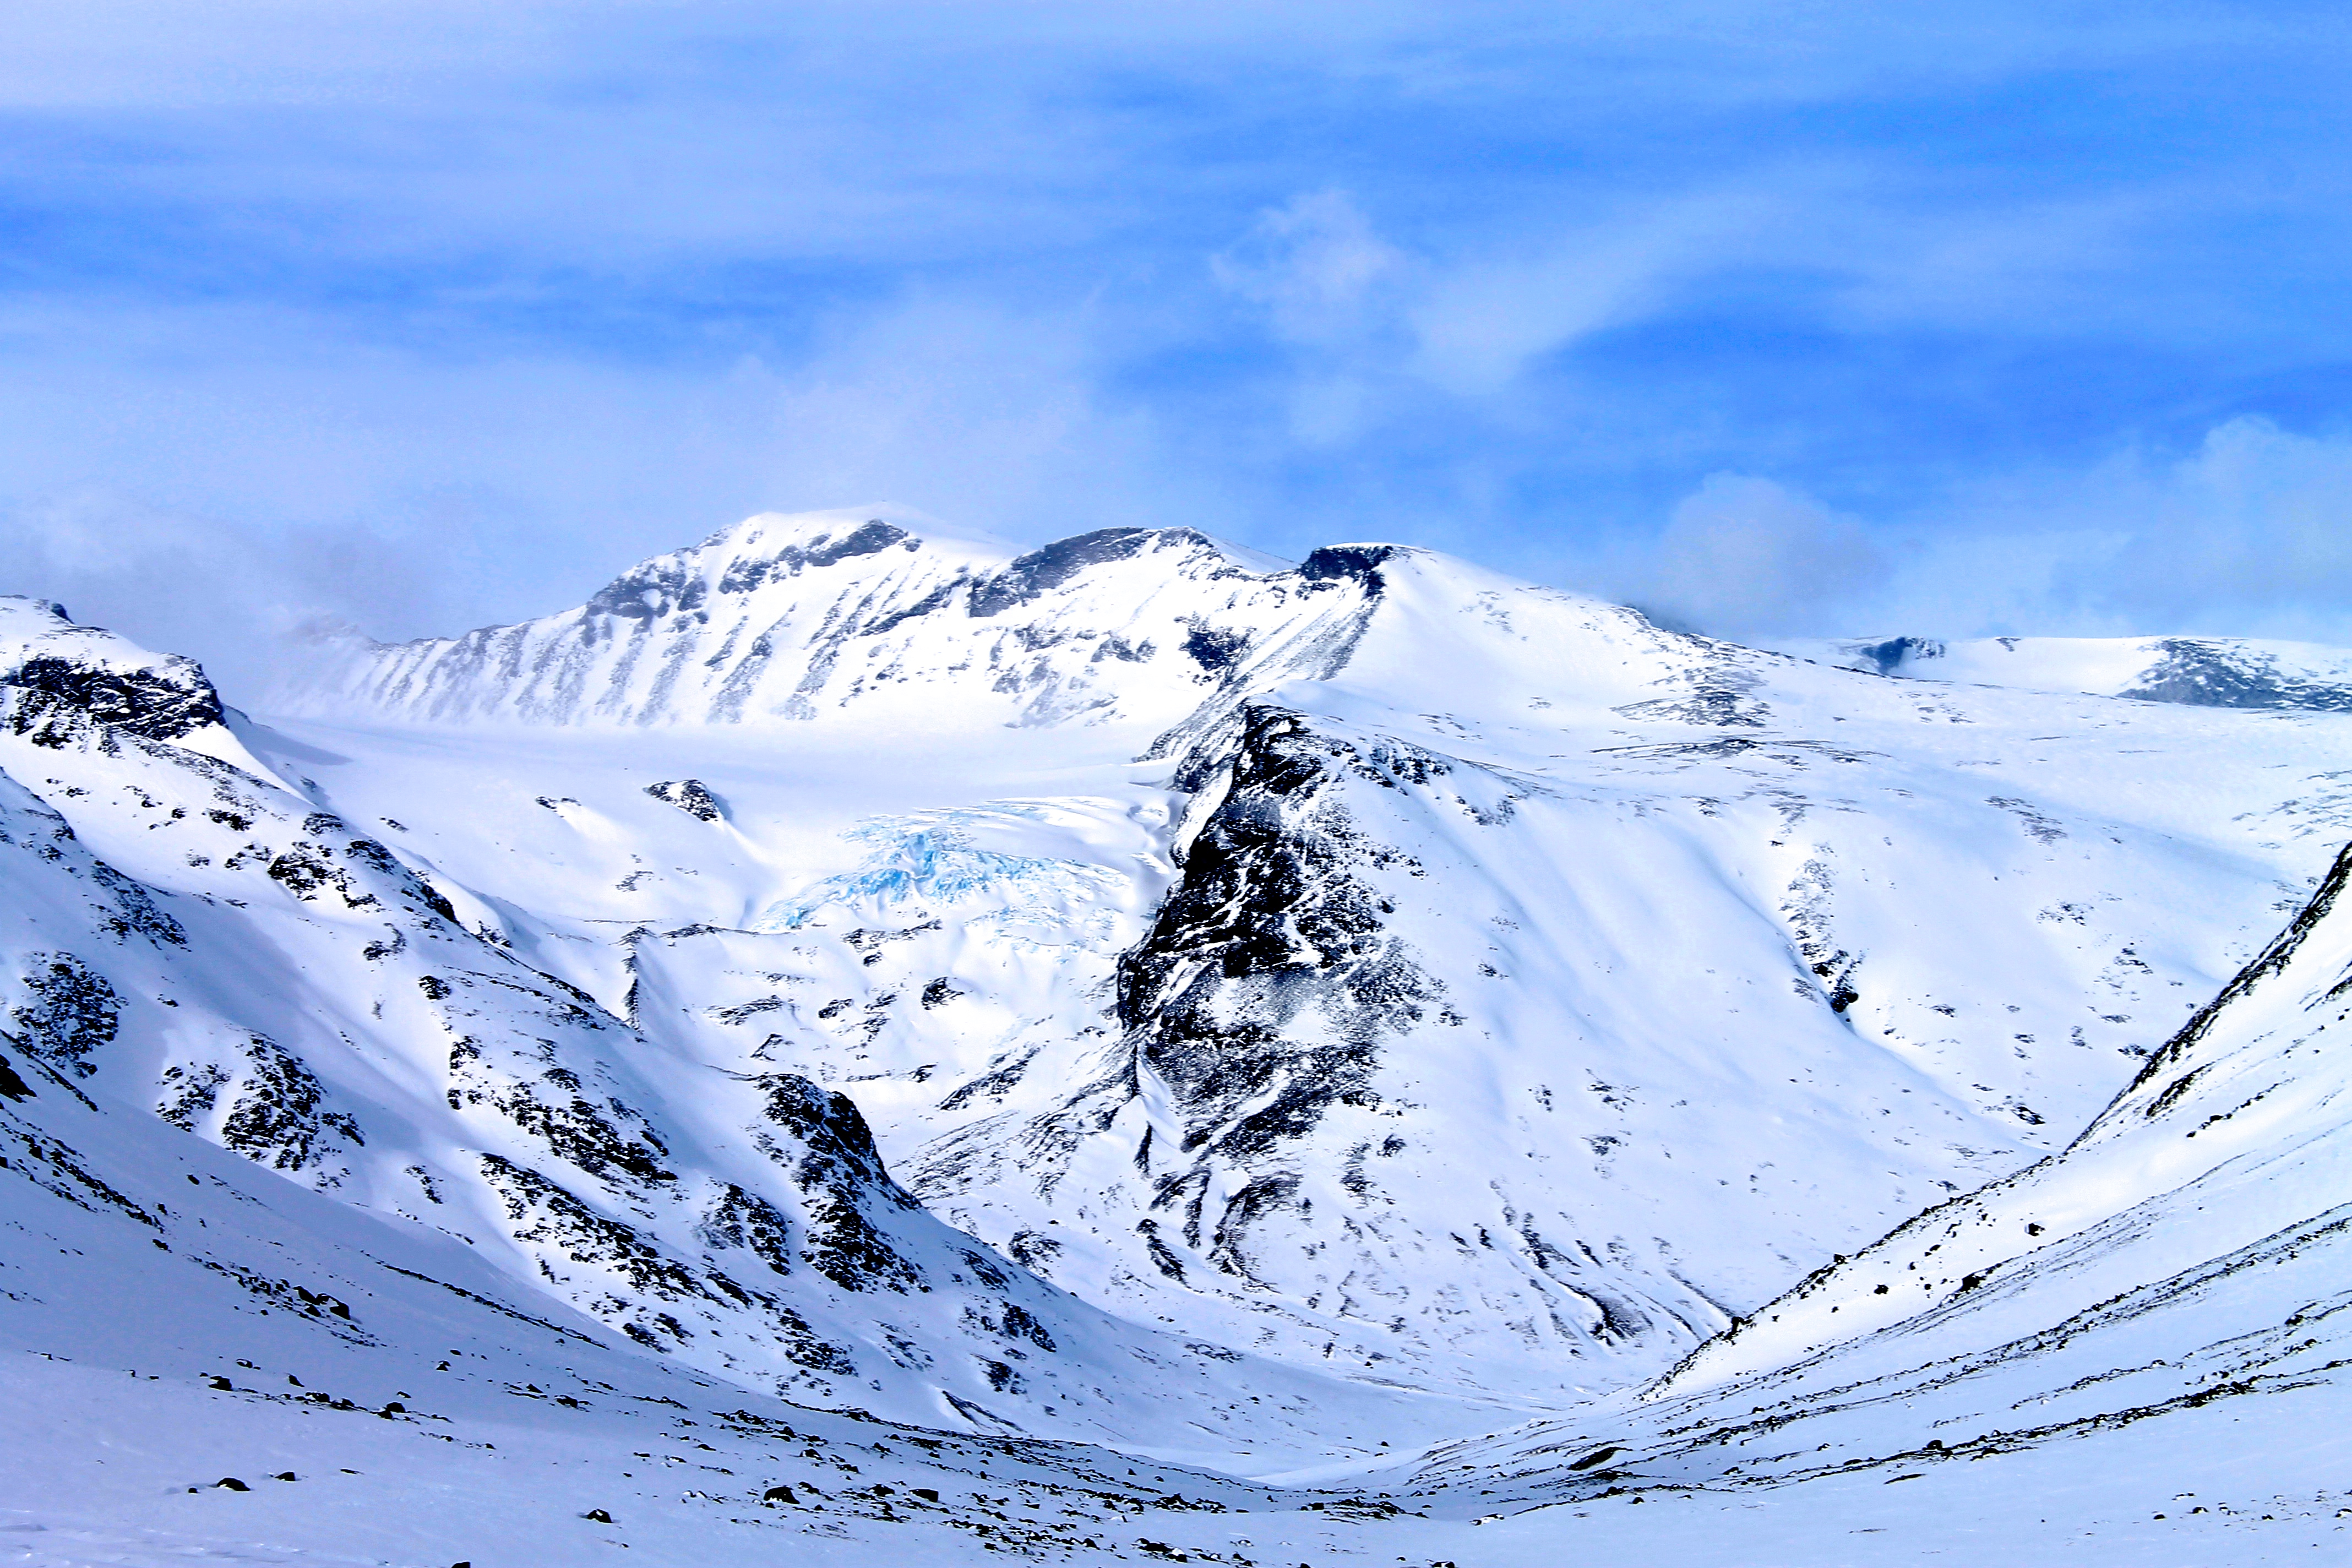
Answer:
(858, 1040)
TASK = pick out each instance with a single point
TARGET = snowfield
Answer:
(2221, 672)
(1133, 1049)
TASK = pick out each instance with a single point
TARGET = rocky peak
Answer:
(57, 677)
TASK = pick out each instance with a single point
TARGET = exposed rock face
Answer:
(163, 703)
(669, 586)
(58, 680)
(2215, 673)
(278, 1113)
(691, 797)
(1891, 656)
(832, 1160)
(1267, 928)
(68, 1012)
(1032, 576)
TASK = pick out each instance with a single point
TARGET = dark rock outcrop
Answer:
(691, 797)
(1270, 927)
(2213, 675)
(161, 702)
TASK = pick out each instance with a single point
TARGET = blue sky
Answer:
(1779, 318)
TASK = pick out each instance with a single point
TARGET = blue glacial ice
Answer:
(930, 859)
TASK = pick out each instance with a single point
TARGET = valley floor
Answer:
(102, 1460)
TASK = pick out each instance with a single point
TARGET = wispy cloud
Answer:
(429, 312)
(2247, 530)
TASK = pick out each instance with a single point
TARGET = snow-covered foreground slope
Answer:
(371, 1394)
(2181, 1271)
(478, 1468)
(2217, 672)
(199, 1357)
(1380, 964)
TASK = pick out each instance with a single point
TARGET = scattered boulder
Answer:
(691, 797)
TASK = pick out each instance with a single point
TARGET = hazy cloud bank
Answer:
(1778, 320)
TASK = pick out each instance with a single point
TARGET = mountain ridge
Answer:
(2206, 671)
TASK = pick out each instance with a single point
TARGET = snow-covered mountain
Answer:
(2218, 672)
(1376, 962)
(206, 951)
(783, 619)
(1130, 991)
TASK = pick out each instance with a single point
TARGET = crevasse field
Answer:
(860, 1045)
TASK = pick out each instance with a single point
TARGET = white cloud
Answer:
(520, 291)
(205, 502)
(1486, 315)
(230, 595)
(2247, 532)
(2252, 528)
(1316, 266)
(1747, 556)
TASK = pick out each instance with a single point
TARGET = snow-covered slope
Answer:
(200, 1358)
(2188, 1259)
(2218, 672)
(1379, 964)
(205, 952)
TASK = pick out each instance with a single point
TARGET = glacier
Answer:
(915, 862)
